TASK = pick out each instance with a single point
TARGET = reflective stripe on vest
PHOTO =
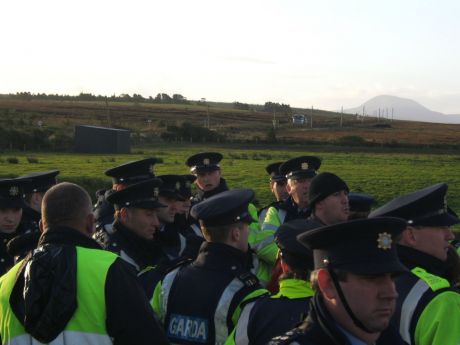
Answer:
(65, 338)
(196, 229)
(165, 290)
(241, 332)
(88, 324)
(408, 308)
(282, 215)
(222, 310)
(129, 260)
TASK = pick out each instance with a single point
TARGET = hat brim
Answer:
(367, 267)
(445, 219)
(11, 203)
(201, 168)
(302, 174)
(147, 204)
(171, 194)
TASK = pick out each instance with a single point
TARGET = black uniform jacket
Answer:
(320, 329)
(30, 219)
(202, 195)
(292, 210)
(46, 301)
(6, 260)
(139, 252)
(199, 287)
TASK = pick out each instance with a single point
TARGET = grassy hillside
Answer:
(149, 122)
(384, 175)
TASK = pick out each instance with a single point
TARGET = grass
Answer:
(383, 175)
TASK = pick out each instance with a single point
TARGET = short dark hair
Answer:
(65, 204)
(218, 233)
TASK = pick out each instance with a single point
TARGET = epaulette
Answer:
(175, 264)
(287, 338)
(248, 279)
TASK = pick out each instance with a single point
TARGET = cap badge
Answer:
(151, 168)
(445, 203)
(177, 185)
(14, 191)
(384, 241)
(304, 166)
(188, 184)
(206, 161)
(156, 192)
(273, 174)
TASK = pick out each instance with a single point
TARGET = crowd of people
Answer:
(185, 259)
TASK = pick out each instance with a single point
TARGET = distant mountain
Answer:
(401, 109)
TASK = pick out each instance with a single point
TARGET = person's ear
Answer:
(409, 237)
(90, 225)
(124, 213)
(284, 265)
(326, 285)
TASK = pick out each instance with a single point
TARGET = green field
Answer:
(383, 175)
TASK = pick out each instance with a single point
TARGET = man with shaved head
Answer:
(69, 289)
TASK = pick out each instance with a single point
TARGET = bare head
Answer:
(67, 204)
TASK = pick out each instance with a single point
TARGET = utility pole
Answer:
(362, 118)
(274, 120)
(311, 115)
(341, 117)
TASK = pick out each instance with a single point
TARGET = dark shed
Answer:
(92, 139)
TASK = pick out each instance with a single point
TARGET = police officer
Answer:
(328, 196)
(355, 296)
(122, 176)
(174, 238)
(171, 234)
(35, 186)
(268, 317)
(277, 187)
(360, 205)
(136, 223)
(11, 204)
(71, 291)
(205, 166)
(299, 173)
(200, 303)
(428, 307)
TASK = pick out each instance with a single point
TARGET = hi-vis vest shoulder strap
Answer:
(426, 282)
(88, 324)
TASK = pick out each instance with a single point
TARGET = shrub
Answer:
(32, 160)
(12, 160)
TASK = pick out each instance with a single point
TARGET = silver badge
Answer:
(156, 192)
(384, 241)
(177, 185)
(206, 161)
(14, 191)
(304, 166)
(188, 184)
(151, 168)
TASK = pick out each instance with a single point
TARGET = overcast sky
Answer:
(321, 53)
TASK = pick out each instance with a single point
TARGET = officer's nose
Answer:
(155, 221)
(388, 288)
(449, 234)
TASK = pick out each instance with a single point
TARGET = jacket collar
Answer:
(66, 235)
(412, 258)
